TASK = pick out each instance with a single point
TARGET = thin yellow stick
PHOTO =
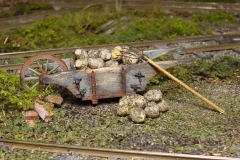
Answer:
(184, 85)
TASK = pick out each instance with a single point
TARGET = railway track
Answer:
(73, 149)
(233, 37)
(26, 20)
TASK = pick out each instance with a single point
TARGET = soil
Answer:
(190, 126)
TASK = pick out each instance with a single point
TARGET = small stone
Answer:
(81, 63)
(30, 115)
(137, 115)
(54, 99)
(104, 54)
(111, 63)
(95, 63)
(153, 95)
(152, 110)
(116, 53)
(163, 106)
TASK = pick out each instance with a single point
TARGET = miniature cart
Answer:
(89, 84)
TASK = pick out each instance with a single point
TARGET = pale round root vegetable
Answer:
(81, 53)
(152, 110)
(104, 54)
(123, 110)
(137, 100)
(95, 63)
(124, 100)
(153, 95)
(116, 53)
(92, 53)
(81, 63)
(111, 63)
(163, 106)
(130, 58)
(124, 107)
(137, 115)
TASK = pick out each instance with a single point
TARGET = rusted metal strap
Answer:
(94, 90)
(123, 75)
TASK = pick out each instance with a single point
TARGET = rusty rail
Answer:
(213, 47)
(49, 147)
(134, 44)
(27, 54)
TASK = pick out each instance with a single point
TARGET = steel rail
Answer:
(185, 51)
(6, 28)
(58, 148)
(134, 44)
(184, 8)
(213, 47)
(26, 54)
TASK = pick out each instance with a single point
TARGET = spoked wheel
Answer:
(37, 66)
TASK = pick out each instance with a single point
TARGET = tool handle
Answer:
(184, 85)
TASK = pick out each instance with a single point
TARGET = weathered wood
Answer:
(44, 110)
(109, 80)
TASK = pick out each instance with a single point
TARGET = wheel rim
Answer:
(37, 66)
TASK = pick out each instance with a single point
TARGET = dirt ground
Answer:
(190, 126)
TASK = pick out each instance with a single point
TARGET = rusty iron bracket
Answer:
(77, 80)
(123, 75)
(82, 92)
(94, 90)
(135, 87)
(139, 75)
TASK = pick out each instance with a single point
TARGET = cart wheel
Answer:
(37, 66)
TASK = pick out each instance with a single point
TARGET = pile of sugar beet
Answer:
(94, 59)
(138, 107)
(135, 106)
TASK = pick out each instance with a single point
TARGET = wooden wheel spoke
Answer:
(37, 83)
(34, 71)
(41, 68)
(46, 67)
(54, 69)
(31, 78)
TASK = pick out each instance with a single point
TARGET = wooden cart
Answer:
(90, 84)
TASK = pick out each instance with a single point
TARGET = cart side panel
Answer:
(137, 77)
(108, 84)
(103, 83)
(85, 88)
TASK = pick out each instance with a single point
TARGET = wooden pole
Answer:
(184, 85)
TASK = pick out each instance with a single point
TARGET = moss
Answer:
(27, 7)
(13, 96)
(223, 68)
(90, 28)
